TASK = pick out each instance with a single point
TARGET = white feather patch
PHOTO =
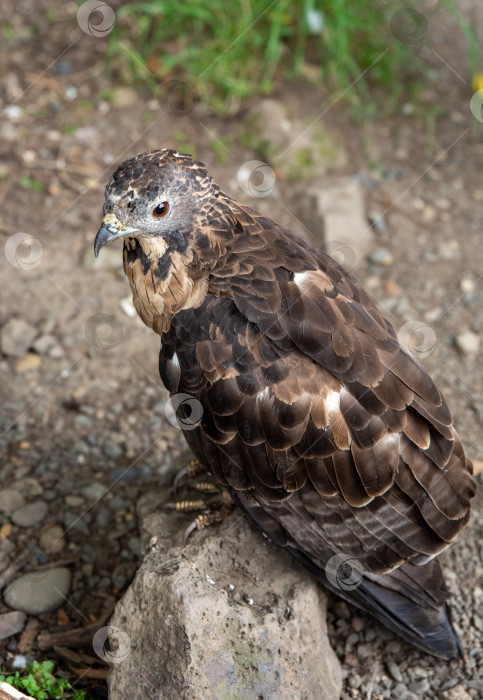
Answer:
(332, 402)
(263, 394)
(300, 278)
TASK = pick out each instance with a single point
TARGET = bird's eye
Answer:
(161, 210)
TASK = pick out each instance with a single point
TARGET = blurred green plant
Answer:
(39, 682)
(230, 51)
(30, 184)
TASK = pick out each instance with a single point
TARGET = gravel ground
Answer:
(83, 421)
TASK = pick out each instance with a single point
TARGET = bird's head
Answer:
(156, 195)
(164, 205)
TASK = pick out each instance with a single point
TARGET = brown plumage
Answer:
(330, 436)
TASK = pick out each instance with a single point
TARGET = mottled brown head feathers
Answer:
(157, 171)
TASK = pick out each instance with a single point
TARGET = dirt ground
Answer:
(83, 421)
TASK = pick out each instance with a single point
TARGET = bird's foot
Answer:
(204, 520)
(192, 469)
(216, 505)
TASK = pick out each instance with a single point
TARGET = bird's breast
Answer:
(160, 283)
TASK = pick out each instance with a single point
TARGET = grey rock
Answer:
(16, 337)
(10, 501)
(370, 634)
(231, 609)
(134, 544)
(355, 681)
(309, 148)
(365, 650)
(103, 517)
(76, 523)
(334, 213)
(48, 345)
(122, 574)
(399, 691)
(12, 623)
(419, 687)
(419, 672)
(81, 447)
(341, 610)
(6, 548)
(117, 503)
(83, 421)
(52, 540)
(112, 450)
(40, 591)
(31, 514)
(94, 491)
(394, 671)
(476, 684)
(29, 487)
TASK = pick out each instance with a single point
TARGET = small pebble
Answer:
(419, 672)
(112, 450)
(94, 491)
(73, 501)
(28, 362)
(394, 671)
(39, 592)
(381, 256)
(103, 517)
(357, 624)
(123, 574)
(48, 345)
(10, 501)
(12, 623)
(365, 650)
(394, 646)
(17, 337)
(76, 523)
(468, 343)
(370, 634)
(419, 687)
(52, 540)
(29, 487)
(377, 221)
(13, 112)
(350, 660)
(83, 422)
(399, 691)
(428, 214)
(355, 681)
(128, 307)
(31, 514)
(467, 284)
(117, 503)
(19, 661)
(81, 447)
(341, 610)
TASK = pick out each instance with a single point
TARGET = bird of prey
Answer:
(319, 424)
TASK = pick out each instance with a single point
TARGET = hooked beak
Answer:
(111, 229)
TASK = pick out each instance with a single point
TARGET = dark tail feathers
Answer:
(402, 603)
